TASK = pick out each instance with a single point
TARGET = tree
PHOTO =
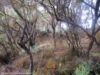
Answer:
(61, 10)
(96, 16)
(23, 25)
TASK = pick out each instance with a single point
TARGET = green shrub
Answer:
(2, 37)
(97, 69)
(84, 69)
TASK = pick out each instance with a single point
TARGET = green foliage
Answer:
(2, 36)
(97, 69)
(84, 69)
(34, 73)
(96, 54)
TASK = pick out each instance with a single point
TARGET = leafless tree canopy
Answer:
(20, 29)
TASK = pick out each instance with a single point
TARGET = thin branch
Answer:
(17, 12)
(88, 4)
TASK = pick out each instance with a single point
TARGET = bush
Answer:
(84, 69)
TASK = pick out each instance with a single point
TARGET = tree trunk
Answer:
(54, 37)
(31, 62)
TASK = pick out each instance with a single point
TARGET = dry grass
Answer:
(59, 55)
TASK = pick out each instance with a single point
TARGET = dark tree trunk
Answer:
(54, 37)
(31, 62)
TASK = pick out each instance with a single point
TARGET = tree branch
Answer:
(88, 4)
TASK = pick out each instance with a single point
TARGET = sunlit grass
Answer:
(96, 54)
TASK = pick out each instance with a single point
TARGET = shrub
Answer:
(84, 69)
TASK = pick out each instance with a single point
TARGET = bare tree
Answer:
(22, 30)
(60, 8)
(94, 23)
(27, 39)
(53, 25)
(62, 12)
